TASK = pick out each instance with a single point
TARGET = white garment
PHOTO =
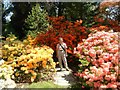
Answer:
(63, 45)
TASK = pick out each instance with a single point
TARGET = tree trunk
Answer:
(60, 9)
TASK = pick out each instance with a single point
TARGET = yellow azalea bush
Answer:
(27, 60)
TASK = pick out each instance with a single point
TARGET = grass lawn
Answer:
(43, 84)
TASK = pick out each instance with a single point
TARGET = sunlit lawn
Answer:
(44, 84)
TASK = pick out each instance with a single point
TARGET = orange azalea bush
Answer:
(28, 62)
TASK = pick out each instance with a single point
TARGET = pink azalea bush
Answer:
(101, 50)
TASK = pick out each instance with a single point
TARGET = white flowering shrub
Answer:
(5, 76)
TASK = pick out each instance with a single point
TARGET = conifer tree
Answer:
(36, 21)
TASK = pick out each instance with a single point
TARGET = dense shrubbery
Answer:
(105, 24)
(72, 32)
(28, 63)
(99, 57)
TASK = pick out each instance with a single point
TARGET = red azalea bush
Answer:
(99, 54)
(72, 33)
(105, 24)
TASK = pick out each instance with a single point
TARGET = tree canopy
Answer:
(72, 11)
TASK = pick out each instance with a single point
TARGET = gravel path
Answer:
(64, 78)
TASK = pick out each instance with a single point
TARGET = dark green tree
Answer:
(20, 13)
(81, 10)
(74, 10)
(36, 21)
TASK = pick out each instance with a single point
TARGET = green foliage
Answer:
(84, 62)
(36, 21)
(8, 29)
(75, 10)
(32, 33)
(80, 85)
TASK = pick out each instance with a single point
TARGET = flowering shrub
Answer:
(99, 55)
(8, 83)
(72, 32)
(105, 24)
(28, 62)
(6, 72)
(35, 61)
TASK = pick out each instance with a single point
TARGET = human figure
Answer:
(61, 50)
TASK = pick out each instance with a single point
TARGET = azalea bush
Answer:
(6, 73)
(36, 62)
(28, 62)
(99, 55)
(102, 23)
(72, 32)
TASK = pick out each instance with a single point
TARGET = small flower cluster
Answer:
(1, 61)
(101, 50)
